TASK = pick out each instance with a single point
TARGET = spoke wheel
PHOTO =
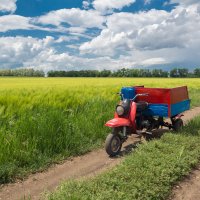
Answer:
(113, 144)
(178, 125)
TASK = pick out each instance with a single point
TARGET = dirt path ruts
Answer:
(84, 166)
(189, 189)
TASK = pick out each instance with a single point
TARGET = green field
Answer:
(44, 120)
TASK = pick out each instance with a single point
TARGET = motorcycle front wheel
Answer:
(113, 144)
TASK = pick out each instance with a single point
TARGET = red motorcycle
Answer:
(138, 115)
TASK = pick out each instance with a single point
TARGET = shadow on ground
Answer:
(128, 148)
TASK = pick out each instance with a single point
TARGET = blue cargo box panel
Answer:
(162, 109)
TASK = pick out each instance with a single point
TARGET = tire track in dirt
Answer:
(84, 166)
(189, 189)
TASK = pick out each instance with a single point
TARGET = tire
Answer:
(178, 125)
(113, 144)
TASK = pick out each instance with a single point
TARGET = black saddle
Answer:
(141, 106)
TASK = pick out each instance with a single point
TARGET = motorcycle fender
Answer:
(133, 114)
(179, 116)
(117, 122)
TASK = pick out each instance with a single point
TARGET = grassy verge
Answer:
(148, 173)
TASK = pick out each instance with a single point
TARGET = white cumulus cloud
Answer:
(109, 5)
(15, 51)
(123, 31)
(185, 2)
(146, 2)
(14, 22)
(8, 5)
(37, 53)
(86, 4)
(147, 31)
(74, 17)
(146, 35)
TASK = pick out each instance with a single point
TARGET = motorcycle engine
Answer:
(146, 124)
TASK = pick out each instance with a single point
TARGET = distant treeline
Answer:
(176, 72)
(22, 72)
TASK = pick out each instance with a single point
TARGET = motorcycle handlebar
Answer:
(144, 94)
(137, 95)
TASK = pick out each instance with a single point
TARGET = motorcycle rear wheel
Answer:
(178, 125)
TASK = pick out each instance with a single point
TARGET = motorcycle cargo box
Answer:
(164, 102)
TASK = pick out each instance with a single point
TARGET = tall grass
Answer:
(46, 120)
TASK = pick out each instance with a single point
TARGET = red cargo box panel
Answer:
(165, 102)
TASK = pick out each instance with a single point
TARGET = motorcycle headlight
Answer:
(120, 110)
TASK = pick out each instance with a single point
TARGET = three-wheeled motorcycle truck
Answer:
(142, 110)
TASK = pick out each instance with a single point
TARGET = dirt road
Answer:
(189, 189)
(84, 166)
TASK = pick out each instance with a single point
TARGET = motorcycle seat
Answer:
(141, 105)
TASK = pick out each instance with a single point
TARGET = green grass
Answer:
(45, 120)
(149, 172)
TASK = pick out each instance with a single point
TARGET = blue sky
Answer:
(33, 8)
(99, 34)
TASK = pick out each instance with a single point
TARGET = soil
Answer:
(89, 165)
(189, 189)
